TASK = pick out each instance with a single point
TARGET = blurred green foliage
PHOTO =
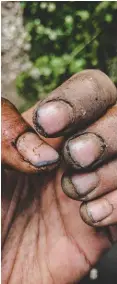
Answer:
(65, 38)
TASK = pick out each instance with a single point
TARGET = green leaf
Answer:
(84, 15)
(108, 18)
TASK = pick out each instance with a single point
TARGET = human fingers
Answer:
(102, 211)
(79, 101)
(93, 156)
(91, 185)
(22, 148)
(94, 146)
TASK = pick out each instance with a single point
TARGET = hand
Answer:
(45, 239)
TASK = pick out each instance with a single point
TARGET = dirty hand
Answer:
(59, 215)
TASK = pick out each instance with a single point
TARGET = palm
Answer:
(47, 241)
(44, 237)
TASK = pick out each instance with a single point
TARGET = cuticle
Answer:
(74, 187)
(89, 214)
(64, 189)
(14, 143)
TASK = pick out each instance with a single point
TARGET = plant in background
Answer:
(65, 38)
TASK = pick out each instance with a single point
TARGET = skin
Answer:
(54, 228)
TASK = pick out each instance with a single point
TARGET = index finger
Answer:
(80, 100)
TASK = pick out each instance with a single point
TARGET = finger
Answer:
(100, 212)
(97, 144)
(22, 149)
(90, 185)
(56, 143)
(80, 100)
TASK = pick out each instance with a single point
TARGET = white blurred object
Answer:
(93, 274)
(13, 43)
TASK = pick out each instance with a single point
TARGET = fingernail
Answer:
(35, 151)
(85, 183)
(99, 210)
(54, 117)
(86, 149)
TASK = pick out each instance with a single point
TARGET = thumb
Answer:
(22, 148)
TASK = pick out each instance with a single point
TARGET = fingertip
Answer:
(36, 151)
(22, 148)
(95, 212)
(52, 118)
(84, 151)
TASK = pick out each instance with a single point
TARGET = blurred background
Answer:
(43, 44)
